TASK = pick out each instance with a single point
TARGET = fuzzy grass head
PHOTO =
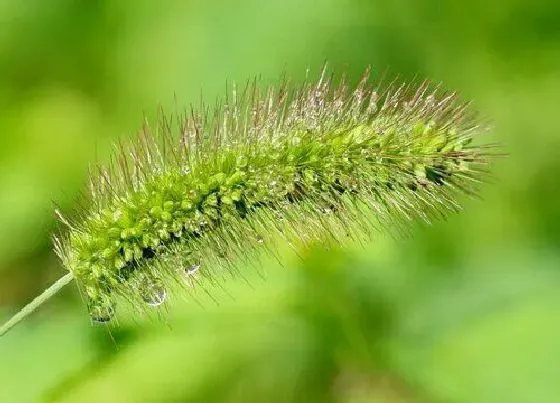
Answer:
(197, 194)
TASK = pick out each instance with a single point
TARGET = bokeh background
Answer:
(466, 311)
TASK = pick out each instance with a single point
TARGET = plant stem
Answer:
(33, 305)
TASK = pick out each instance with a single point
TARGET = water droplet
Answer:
(101, 311)
(153, 294)
(260, 239)
(192, 270)
(189, 272)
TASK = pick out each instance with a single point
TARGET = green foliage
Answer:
(306, 164)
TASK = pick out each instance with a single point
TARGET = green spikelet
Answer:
(190, 199)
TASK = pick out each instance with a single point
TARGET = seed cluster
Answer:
(315, 161)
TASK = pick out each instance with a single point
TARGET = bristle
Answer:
(315, 163)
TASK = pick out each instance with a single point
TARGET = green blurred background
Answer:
(466, 311)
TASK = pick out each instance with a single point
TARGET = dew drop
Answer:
(192, 270)
(189, 272)
(101, 311)
(153, 294)
(260, 239)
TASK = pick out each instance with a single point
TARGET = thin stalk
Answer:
(33, 305)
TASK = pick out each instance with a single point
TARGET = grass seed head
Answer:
(191, 198)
